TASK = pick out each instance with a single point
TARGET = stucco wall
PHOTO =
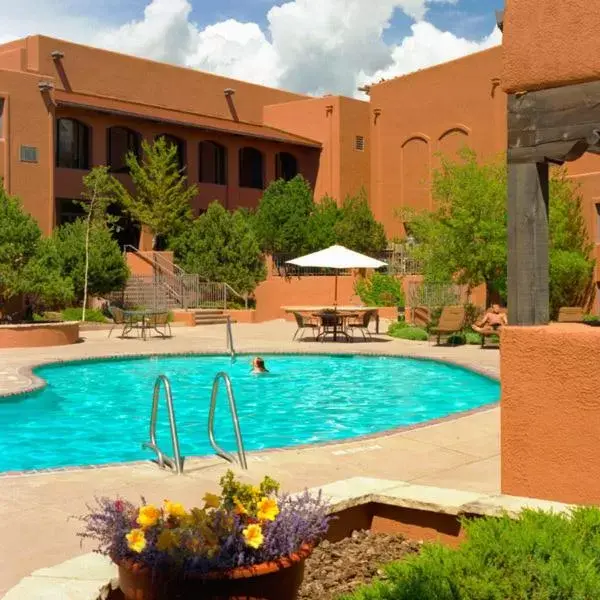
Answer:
(38, 335)
(548, 43)
(434, 110)
(550, 412)
(28, 120)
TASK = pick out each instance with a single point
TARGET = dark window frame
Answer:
(80, 153)
(134, 143)
(220, 155)
(281, 168)
(251, 177)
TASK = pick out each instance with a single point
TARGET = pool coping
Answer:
(38, 384)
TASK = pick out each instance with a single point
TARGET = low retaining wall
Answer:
(35, 335)
(550, 412)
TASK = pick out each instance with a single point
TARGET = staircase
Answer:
(203, 316)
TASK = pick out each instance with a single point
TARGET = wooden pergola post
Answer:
(545, 127)
(528, 269)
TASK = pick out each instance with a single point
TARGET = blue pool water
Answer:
(96, 412)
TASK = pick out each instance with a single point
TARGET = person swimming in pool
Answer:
(258, 365)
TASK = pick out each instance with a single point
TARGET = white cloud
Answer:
(313, 46)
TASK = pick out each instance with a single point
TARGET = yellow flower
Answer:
(267, 509)
(211, 500)
(148, 516)
(166, 540)
(253, 536)
(240, 509)
(136, 540)
(174, 509)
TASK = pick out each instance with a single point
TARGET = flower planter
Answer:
(277, 580)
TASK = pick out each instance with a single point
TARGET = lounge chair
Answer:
(304, 323)
(158, 321)
(362, 323)
(570, 314)
(451, 321)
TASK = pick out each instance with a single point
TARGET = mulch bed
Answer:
(340, 567)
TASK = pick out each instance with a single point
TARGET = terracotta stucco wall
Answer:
(435, 110)
(319, 120)
(548, 43)
(550, 414)
(28, 120)
(92, 71)
(355, 165)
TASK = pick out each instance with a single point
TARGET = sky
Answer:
(308, 46)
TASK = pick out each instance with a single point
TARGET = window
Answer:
(179, 144)
(213, 163)
(28, 154)
(251, 168)
(286, 166)
(72, 144)
(359, 143)
(68, 211)
(1, 117)
(121, 141)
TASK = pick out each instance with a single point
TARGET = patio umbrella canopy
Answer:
(337, 257)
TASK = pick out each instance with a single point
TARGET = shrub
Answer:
(92, 315)
(540, 556)
(570, 277)
(380, 290)
(407, 332)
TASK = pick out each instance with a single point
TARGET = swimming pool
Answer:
(95, 412)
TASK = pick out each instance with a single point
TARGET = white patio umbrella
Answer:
(339, 258)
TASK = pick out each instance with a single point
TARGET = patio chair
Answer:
(362, 324)
(570, 314)
(451, 321)
(158, 321)
(303, 323)
(118, 316)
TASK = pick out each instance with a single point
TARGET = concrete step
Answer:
(215, 321)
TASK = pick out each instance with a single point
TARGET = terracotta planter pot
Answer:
(277, 580)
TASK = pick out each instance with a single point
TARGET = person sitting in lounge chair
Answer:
(258, 366)
(492, 320)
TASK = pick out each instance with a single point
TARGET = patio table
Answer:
(337, 320)
(351, 310)
(134, 317)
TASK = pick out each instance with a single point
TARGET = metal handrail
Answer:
(230, 339)
(234, 416)
(176, 461)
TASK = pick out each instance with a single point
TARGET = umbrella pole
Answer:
(335, 292)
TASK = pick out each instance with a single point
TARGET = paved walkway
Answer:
(35, 528)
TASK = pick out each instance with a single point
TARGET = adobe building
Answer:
(65, 108)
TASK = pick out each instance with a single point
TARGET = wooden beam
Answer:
(556, 152)
(528, 271)
(564, 114)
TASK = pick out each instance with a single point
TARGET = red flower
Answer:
(119, 506)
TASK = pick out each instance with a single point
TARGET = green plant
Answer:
(281, 219)
(407, 332)
(162, 196)
(357, 228)
(106, 267)
(540, 556)
(321, 226)
(570, 277)
(92, 315)
(222, 246)
(380, 290)
(593, 319)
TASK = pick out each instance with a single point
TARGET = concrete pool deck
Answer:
(460, 453)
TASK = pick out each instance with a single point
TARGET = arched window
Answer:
(213, 163)
(72, 144)
(286, 166)
(251, 168)
(179, 143)
(122, 141)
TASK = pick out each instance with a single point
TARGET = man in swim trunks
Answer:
(492, 321)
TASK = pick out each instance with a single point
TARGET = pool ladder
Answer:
(176, 461)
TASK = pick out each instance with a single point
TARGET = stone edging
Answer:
(81, 578)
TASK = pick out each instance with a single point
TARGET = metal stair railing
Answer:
(230, 346)
(174, 462)
(234, 417)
